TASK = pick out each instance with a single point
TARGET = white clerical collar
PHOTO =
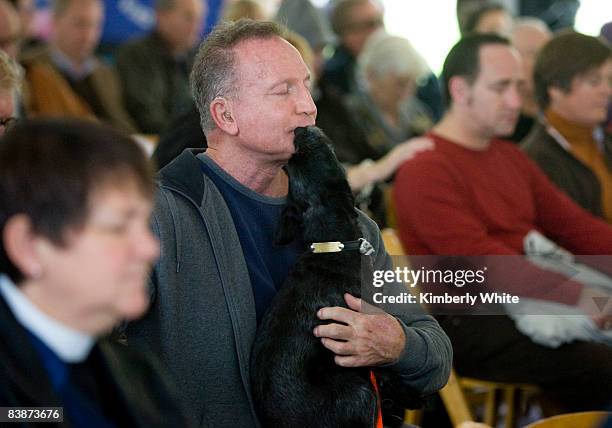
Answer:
(70, 345)
(76, 72)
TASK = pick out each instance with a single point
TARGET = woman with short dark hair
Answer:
(75, 253)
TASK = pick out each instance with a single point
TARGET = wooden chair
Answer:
(455, 394)
(572, 420)
(513, 395)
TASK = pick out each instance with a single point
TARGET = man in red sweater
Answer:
(476, 195)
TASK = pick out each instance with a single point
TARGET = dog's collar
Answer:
(361, 244)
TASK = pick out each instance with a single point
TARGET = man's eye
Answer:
(594, 80)
(115, 229)
(282, 90)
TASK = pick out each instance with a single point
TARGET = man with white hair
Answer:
(10, 83)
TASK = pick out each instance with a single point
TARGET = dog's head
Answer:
(320, 202)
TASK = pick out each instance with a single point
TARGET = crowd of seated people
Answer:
(477, 195)
(512, 138)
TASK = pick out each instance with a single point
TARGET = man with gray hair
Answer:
(154, 70)
(216, 216)
(10, 84)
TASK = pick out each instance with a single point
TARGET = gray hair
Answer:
(213, 69)
(384, 54)
(10, 74)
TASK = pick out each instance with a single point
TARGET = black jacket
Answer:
(566, 171)
(131, 390)
(155, 84)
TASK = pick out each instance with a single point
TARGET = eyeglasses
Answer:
(366, 25)
(8, 122)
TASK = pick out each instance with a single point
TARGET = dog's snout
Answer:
(300, 138)
(299, 132)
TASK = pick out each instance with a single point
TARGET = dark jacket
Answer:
(565, 170)
(155, 84)
(183, 133)
(134, 390)
(202, 320)
(339, 71)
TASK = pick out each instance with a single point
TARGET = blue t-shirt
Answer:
(256, 218)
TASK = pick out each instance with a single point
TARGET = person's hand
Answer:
(368, 172)
(400, 154)
(360, 339)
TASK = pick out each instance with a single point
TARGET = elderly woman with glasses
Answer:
(387, 112)
(389, 69)
(75, 253)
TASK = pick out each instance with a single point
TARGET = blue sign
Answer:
(126, 19)
(130, 18)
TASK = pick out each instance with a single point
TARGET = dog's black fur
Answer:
(295, 381)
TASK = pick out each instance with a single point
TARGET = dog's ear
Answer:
(288, 226)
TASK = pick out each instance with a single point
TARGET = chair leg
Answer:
(491, 407)
(413, 417)
(510, 397)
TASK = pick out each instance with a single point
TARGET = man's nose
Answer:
(305, 105)
(514, 98)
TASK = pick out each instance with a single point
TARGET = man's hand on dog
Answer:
(365, 340)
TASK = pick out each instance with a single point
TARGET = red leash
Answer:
(379, 421)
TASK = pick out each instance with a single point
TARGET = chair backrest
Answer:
(393, 245)
(452, 394)
(572, 420)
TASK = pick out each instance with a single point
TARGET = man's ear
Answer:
(22, 246)
(555, 94)
(459, 90)
(221, 112)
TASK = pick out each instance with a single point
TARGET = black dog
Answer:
(295, 381)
